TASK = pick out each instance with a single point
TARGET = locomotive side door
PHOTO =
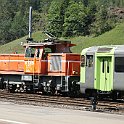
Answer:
(104, 74)
(32, 60)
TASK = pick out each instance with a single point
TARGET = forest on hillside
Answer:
(62, 18)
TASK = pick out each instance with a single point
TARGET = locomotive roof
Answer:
(118, 49)
(49, 43)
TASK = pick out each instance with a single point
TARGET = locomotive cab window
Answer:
(37, 53)
(119, 64)
(89, 60)
(30, 52)
(47, 50)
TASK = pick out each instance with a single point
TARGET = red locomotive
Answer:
(48, 67)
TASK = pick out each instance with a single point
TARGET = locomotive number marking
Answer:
(29, 66)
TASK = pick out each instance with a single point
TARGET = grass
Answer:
(15, 46)
(113, 37)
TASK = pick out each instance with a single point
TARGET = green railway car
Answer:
(102, 71)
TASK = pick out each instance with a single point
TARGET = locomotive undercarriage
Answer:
(57, 85)
(51, 85)
(12, 83)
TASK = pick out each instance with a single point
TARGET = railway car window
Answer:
(108, 67)
(103, 66)
(89, 60)
(119, 64)
(82, 60)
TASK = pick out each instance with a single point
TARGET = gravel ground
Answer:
(11, 113)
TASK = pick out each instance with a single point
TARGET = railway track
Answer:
(63, 102)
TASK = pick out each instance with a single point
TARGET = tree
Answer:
(19, 27)
(61, 18)
(7, 12)
(103, 21)
(74, 21)
(56, 17)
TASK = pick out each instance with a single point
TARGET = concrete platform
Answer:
(11, 113)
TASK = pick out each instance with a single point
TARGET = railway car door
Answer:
(104, 73)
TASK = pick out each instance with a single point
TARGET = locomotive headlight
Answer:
(75, 72)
